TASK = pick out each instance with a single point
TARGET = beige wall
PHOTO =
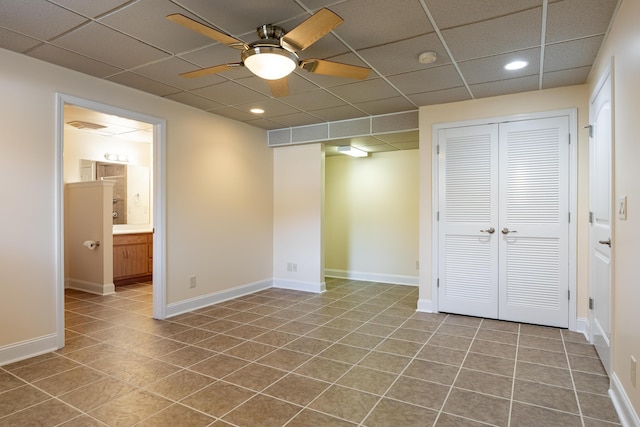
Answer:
(623, 46)
(371, 216)
(529, 102)
(298, 216)
(219, 194)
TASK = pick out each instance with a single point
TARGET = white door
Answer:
(600, 216)
(468, 240)
(534, 221)
(503, 203)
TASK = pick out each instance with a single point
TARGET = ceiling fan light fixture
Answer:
(269, 62)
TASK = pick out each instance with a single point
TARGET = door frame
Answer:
(572, 113)
(159, 202)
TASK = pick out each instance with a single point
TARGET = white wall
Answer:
(371, 217)
(219, 196)
(623, 47)
(507, 105)
(298, 217)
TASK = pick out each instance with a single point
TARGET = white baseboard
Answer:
(425, 305)
(624, 408)
(90, 287)
(582, 326)
(395, 279)
(216, 297)
(296, 285)
(27, 349)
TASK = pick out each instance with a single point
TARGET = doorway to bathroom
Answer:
(117, 154)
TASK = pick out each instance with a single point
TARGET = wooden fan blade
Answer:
(279, 87)
(330, 68)
(210, 70)
(207, 31)
(312, 29)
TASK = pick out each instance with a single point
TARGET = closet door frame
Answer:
(572, 114)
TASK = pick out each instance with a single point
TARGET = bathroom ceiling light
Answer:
(112, 157)
(352, 151)
(515, 65)
(257, 111)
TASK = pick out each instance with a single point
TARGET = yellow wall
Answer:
(371, 216)
(507, 105)
(219, 196)
(623, 47)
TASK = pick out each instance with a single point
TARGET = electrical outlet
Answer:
(289, 266)
(295, 267)
(633, 371)
(192, 282)
(622, 207)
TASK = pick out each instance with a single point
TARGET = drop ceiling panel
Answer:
(144, 84)
(314, 100)
(402, 56)
(441, 96)
(375, 22)
(264, 124)
(413, 145)
(574, 76)
(241, 17)
(491, 68)
(234, 113)
(367, 90)
(395, 138)
(570, 19)
(297, 84)
(15, 42)
(146, 20)
(72, 60)
(338, 113)
(215, 55)
(495, 36)
(298, 119)
(271, 107)
(169, 70)
(37, 18)
(573, 54)
(427, 80)
(503, 87)
(194, 101)
(91, 9)
(386, 106)
(99, 42)
(229, 93)
(455, 13)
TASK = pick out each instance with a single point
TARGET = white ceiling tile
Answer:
(395, 138)
(492, 37)
(91, 8)
(314, 100)
(430, 79)
(413, 145)
(169, 70)
(386, 106)
(194, 101)
(297, 119)
(574, 76)
(375, 22)
(402, 56)
(491, 68)
(271, 107)
(229, 93)
(98, 42)
(234, 113)
(504, 87)
(570, 19)
(297, 84)
(264, 124)
(74, 61)
(441, 96)
(15, 42)
(572, 54)
(344, 112)
(37, 18)
(454, 13)
(367, 90)
(142, 83)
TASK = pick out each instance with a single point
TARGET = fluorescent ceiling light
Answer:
(352, 151)
(269, 62)
(515, 65)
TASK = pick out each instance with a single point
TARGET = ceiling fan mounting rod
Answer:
(269, 31)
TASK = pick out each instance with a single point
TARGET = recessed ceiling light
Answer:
(257, 111)
(515, 65)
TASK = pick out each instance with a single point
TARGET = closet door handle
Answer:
(507, 231)
(605, 242)
(490, 230)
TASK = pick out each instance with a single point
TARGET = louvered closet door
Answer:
(534, 223)
(468, 189)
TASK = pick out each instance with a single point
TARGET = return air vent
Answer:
(79, 124)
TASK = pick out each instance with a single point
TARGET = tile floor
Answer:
(358, 354)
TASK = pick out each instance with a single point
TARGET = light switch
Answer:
(621, 207)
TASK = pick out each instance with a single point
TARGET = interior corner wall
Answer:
(622, 48)
(487, 108)
(298, 241)
(371, 217)
(219, 197)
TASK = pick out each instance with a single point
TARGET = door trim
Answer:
(159, 203)
(572, 114)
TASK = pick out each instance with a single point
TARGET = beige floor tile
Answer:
(219, 366)
(586, 364)
(308, 418)
(187, 356)
(544, 374)
(358, 339)
(344, 353)
(394, 413)
(53, 411)
(441, 354)
(297, 389)
(419, 392)
(478, 407)
(598, 407)
(500, 336)
(432, 371)
(262, 411)
(369, 380)
(218, 398)
(543, 357)
(255, 376)
(483, 382)
(323, 369)
(180, 384)
(385, 362)
(448, 420)
(177, 415)
(19, 398)
(523, 415)
(450, 341)
(130, 409)
(96, 394)
(559, 398)
(492, 348)
(490, 364)
(9, 382)
(592, 383)
(284, 359)
(250, 350)
(345, 403)
(69, 380)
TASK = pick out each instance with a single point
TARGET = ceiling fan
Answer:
(274, 56)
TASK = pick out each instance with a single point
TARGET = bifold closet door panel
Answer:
(534, 221)
(468, 212)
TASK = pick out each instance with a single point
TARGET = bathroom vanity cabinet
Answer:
(132, 258)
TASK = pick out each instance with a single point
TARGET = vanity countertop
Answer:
(133, 231)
